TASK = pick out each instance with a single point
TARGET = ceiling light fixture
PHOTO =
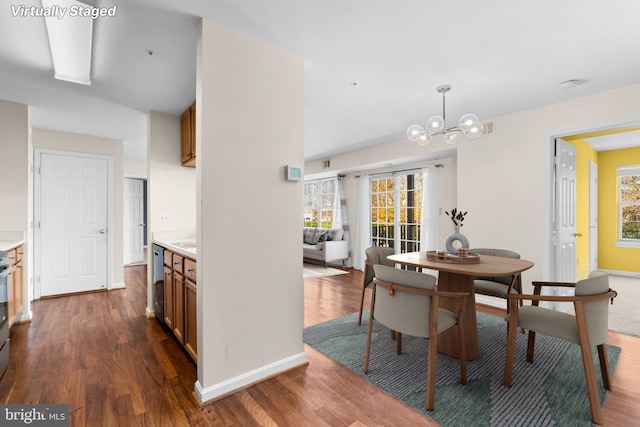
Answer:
(70, 42)
(436, 125)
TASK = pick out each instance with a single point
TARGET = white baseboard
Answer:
(150, 313)
(232, 385)
(118, 285)
(622, 273)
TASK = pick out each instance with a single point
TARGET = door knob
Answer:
(577, 234)
(102, 231)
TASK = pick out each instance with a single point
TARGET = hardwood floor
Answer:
(114, 367)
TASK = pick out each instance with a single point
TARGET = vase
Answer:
(456, 237)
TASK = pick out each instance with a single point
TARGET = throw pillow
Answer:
(323, 237)
(316, 236)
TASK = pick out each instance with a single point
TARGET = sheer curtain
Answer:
(342, 215)
(362, 229)
(429, 220)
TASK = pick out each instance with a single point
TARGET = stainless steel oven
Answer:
(5, 269)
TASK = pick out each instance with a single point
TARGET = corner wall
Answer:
(249, 126)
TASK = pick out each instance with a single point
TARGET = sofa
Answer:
(324, 245)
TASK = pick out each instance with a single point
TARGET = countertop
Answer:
(6, 245)
(182, 243)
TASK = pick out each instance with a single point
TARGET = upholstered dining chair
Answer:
(588, 327)
(497, 286)
(375, 255)
(407, 302)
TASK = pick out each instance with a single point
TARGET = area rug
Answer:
(312, 271)
(550, 391)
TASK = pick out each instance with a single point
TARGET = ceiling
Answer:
(371, 67)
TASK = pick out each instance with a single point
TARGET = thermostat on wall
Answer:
(293, 173)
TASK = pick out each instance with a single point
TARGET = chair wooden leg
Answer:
(512, 328)
(587, 362)
(604, 366)
(530, 346)
(398, 343)
(431, 370)
(370, 328)
(361, 305)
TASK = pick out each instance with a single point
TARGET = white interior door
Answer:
(565, 216)
(73, 218)
(133, 220)
(593, 216)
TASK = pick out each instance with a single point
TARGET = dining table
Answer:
(459, 277)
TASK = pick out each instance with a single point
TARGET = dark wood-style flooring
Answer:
(99, 354)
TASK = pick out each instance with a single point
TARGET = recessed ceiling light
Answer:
(151, 52)
(568, 84)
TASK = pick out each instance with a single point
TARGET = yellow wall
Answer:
(584, 154)
(610, 256)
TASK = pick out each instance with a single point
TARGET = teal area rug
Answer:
(550, 391)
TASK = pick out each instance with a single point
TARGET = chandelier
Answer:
(436, 125)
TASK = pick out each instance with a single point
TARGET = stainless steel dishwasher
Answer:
(158, 282)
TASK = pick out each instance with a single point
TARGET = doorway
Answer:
(594, 148)
(134, 223)
(71, 218)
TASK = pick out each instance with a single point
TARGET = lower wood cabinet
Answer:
(14, 284)
(180, 300)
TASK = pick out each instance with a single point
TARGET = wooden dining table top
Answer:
(489, 266)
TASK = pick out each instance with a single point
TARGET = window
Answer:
(396, 203)
(320, 203)
(629, 204)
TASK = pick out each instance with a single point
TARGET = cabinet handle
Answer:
(191, 269)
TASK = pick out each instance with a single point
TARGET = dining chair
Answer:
(587, 327)
(375, 255)
(497, 286)
(409, 303)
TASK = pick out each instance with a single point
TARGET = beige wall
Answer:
(171, 187)
(249, 125)
(15, 192)
(72, 142)
(135, 170)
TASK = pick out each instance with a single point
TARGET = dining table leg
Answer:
(448, 339)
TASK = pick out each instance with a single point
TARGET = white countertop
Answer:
(180, 242)
(6, 245)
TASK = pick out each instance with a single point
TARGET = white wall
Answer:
(249, 125)
(171, 187)
(15, 194)
(65, 141)
(135, 169)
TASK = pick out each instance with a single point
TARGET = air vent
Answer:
(489, 128)
(326, 164)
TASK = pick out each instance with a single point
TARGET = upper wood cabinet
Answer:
(188, 136)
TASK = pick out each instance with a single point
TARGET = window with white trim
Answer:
(629, 205)
(320, 203)
(396, 205)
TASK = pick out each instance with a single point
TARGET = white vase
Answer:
(456, 237)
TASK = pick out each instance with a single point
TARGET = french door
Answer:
(396, 210)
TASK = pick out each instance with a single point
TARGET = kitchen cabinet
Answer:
(180, 300)
(14, 284)
(190, 308)
(188, 136)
